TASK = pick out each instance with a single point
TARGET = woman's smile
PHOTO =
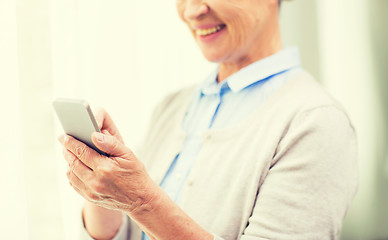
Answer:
(207, 34)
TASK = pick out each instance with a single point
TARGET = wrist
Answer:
(147, 200)
(162, 218)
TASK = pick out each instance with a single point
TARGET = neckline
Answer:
(284, 60)
(235, 129)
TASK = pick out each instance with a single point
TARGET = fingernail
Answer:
(99, 136)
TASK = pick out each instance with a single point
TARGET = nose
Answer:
(195, 9)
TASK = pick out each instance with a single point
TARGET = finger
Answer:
(81, 191)
(82, 172)
(111, 145)
(81, 151)
(69, 156)
(105, 122)
(82, 186)
(74, 181)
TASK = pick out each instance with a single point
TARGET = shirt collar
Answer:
(257, 71)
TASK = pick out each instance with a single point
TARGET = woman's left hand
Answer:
(118, 182)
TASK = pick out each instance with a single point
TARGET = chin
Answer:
(212, 56)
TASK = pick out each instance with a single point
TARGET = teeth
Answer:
(208, 31)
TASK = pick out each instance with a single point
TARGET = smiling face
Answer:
(229, 31)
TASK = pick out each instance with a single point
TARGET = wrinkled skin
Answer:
(117, 182)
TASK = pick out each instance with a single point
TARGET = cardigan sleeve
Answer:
(311, 181)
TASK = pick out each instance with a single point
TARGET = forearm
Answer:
(101, 223)
(163, 219)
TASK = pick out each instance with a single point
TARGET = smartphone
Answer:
(77, 120)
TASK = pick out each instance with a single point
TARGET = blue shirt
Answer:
(221, 105)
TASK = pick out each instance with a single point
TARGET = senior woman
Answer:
(256, 151)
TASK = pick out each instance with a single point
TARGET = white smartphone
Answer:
(77, 120)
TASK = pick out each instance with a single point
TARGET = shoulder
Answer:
(315, 118)
(309, 119)
(304, 97)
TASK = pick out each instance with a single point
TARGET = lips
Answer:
(206, 31)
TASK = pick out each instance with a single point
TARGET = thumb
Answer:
(111, 145)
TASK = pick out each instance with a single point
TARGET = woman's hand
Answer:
(117, 182)
(100, 222)
(120, 182)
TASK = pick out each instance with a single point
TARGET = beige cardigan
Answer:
(289, 171)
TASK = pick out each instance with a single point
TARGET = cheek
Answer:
(240, 25)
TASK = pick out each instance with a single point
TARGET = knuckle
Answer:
(116, 144)
(81, 151)
(98, 186)
(105, 171)
(76, 163)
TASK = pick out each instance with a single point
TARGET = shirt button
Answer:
(190, 182)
